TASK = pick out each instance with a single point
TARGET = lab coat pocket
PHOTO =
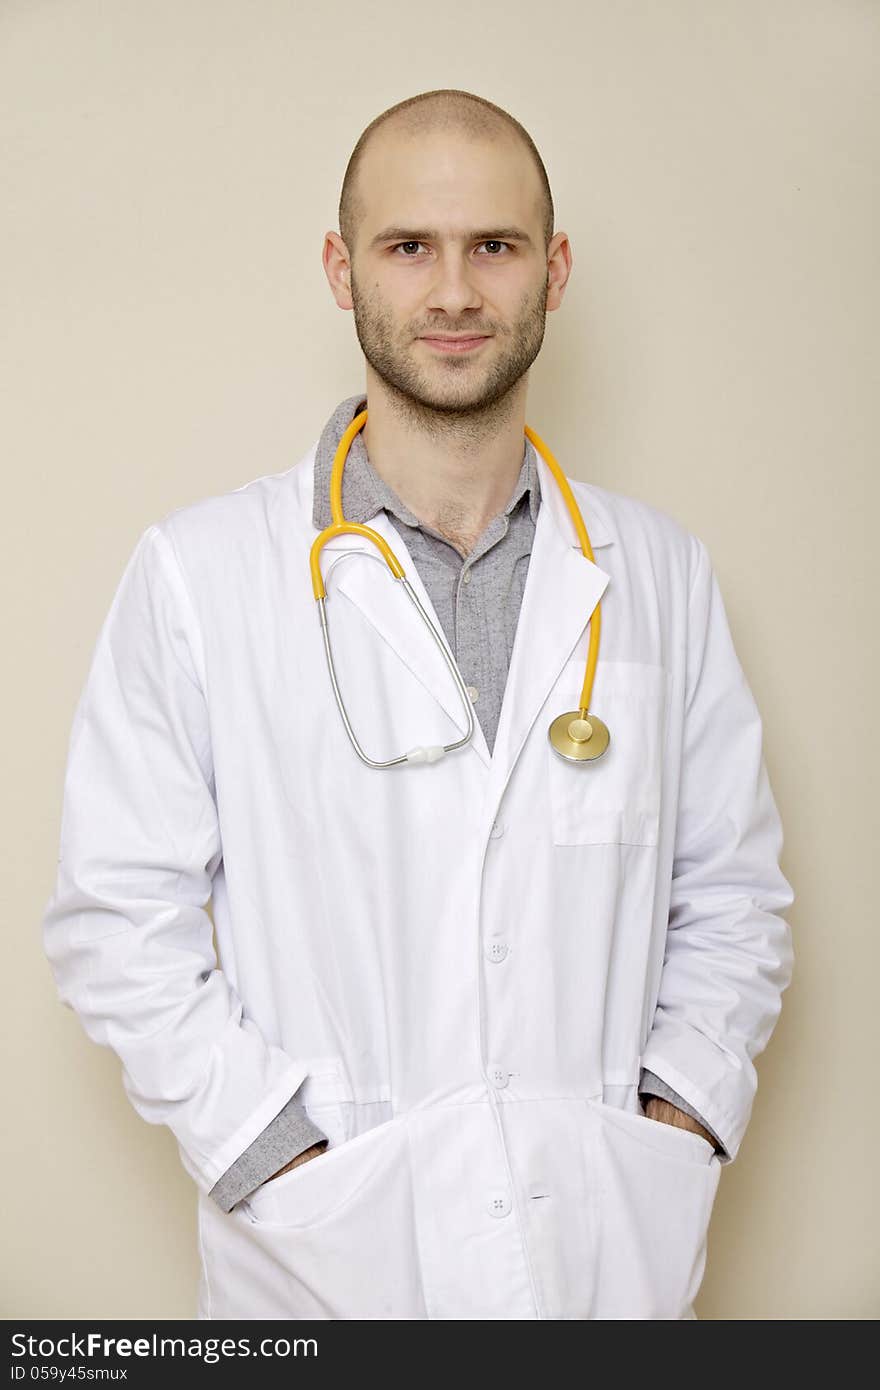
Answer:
(657, 1188)
(333, 1238)
(614, 799)
(316, 1189)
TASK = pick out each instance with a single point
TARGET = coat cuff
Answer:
(289, 1134)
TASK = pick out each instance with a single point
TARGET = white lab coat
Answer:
(462, 966)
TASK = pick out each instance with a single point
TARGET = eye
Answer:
(408, 257)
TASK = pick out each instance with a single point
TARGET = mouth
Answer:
(454, 345)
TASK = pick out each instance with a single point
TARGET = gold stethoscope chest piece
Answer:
(577, 739)
(579, 736)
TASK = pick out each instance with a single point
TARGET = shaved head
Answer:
(444, 111)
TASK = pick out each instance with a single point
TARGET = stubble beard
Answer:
(444, 393)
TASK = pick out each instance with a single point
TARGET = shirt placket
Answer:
(474, 627)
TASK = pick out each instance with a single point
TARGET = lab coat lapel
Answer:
(384, 604)
(561, 592)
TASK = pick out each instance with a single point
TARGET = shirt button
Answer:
(498, 1076)
(499, 1204)
(496, 950)
(473, 692)
(466, 577)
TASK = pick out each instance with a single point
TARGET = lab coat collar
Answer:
(562, 589)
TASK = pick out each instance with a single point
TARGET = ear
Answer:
(337, 268)
(558, 270)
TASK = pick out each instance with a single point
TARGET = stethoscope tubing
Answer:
(339, 526)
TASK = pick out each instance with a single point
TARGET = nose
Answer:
(452, 287)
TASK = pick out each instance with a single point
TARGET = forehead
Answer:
(447, 180)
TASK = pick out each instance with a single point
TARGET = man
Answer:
(408, 1083)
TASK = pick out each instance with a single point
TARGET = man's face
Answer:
(447, 280)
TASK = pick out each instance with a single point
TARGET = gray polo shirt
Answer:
(477, 599)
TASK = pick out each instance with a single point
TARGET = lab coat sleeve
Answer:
(126, 932)
(728, 955)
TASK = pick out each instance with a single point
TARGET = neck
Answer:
(454, 471)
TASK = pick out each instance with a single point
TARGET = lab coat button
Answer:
(497, 830)
(496, 950)
(498, 1076)
(499, 1204)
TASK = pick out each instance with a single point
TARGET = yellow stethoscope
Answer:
(577, 736)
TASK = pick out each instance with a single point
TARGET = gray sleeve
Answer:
(288, 1135)
(655, 1086)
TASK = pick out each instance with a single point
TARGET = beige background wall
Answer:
(169, 170)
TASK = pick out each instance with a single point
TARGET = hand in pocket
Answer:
(307, 1154)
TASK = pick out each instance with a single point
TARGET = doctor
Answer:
(479, 1033)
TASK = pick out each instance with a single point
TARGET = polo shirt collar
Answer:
(365, 493)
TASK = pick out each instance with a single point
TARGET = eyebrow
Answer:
(407, 234)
